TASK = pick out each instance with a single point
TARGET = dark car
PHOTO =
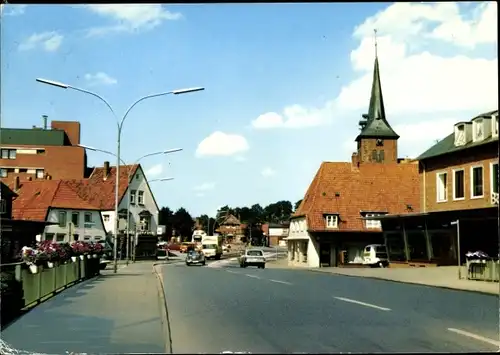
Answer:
(195, 257)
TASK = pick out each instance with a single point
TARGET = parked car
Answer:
(376, 255)
(195, 257)
(253, 257)
(107, 255)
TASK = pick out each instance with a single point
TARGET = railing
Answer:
(483, 270)
(494, 198)
(21, 288)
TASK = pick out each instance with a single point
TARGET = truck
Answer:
(198, 236)
(212, 246)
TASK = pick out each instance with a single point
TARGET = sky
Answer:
(285, 85)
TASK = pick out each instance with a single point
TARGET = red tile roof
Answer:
(370, 187)
(95, 193)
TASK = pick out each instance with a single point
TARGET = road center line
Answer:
(475, 336)
(281, 282)
(362, 303)
(232, 272)
(253, 276)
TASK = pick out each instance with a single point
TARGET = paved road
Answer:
(283, 311)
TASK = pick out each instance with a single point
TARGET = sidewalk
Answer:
(113, 313)
(443, 276)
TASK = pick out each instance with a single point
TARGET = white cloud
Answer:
(100, 78)
(268, 172)
(131, 17)
(48, 41)
(207, 186)
(431, 69)
(222, 144)
(155, 170)
(13, 10)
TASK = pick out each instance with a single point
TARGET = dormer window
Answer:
(478, 130)
(460, 135)
(332, 221)
(372, 223)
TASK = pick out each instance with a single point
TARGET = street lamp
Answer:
(129, 175)
(119, 123)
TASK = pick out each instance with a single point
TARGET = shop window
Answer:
(417, 245)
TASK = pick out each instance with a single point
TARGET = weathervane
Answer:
(375, 31)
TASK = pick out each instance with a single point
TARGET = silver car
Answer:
(253, 257)
(195, 257)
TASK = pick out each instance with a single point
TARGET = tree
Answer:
(183, 223)
(165, 218)
(297, 204)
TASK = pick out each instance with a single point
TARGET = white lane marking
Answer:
(232, 272)
(281, 282)
(362, 303)
(252, 276)
(475, 336)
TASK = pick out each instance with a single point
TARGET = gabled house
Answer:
(58, 202)
(327, 229)
(459, 199)
(231, 227)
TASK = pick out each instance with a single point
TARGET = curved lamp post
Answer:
(119, 123)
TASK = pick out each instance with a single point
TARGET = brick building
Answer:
(458, 182)
(327, 229)
(42, 153)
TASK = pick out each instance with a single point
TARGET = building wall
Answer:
(466, 159)
(90, 232)
(368, 145)
(59, 162)
(138, 183)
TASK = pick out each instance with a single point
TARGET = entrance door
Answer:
(324, 254)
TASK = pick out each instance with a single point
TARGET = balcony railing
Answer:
(494, 198)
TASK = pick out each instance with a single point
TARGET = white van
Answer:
(376, 255)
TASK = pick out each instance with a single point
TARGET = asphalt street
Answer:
(215, 309)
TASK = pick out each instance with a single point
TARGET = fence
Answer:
(21, 288)
(483, 270)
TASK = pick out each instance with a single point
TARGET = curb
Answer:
(406, 282)
(165, 320)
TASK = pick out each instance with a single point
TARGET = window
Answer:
(331, 221)
(39, 173)
(88, 220)
(75, 237)
(3, 206)
(494, 177)
(62, 219)
(8, 154)
(495, 126)
(49, 236)
(132, 197)
(60, 237)
(476, 181)
(373, 224)
(144, 222)
(105, 217)
(460, 135)
(75, 216)
(442, 187)
(3, 172)
(140, 198)
(477, 128)
(459, 184)
(87, 237)
(378, 156)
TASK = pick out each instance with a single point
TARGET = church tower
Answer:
(377, 141)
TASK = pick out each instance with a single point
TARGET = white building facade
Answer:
(71, 225)
(303, 250)
(143, 208)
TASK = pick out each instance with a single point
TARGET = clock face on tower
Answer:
(380, 143)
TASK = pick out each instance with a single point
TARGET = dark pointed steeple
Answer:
(375, 123)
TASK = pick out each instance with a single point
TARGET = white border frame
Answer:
(491, 178)
(453, 184)
(438, 181)
(472, 181)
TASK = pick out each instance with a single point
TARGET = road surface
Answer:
(226, 308)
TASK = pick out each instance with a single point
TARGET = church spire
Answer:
(375, 124)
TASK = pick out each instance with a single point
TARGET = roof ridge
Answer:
(55, 192)
(75, 191)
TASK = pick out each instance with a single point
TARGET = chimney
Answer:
(106, 169)
(17, 184)
(45, 117)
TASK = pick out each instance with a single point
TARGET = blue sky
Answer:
(285, 85)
